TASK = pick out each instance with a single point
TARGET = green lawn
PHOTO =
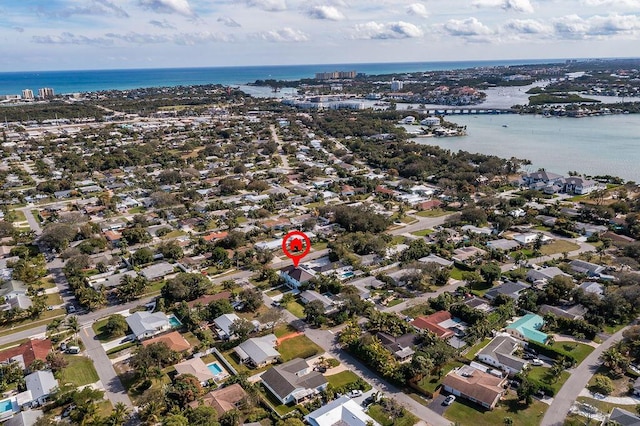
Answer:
(296, 309)
(473, 350)
(298, 347)
(466, 413)
(174, 234)
(376, 413)
(342, 379)
(558, 246)
(418, 310)
(53, 299)
(432, 213)
(319, 246)
(79, 372)
(456, 273)
(423, 232)
(579, 350)
(284, 329)
(101, 334)
(540, 374)
(430, 383)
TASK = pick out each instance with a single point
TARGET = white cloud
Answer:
(181, 7)
(597, 26)
(614, 3)
(390, 30)
(268, 5)
(466, 27)
(417, 9)
(515, 5)
(229, 22)
(527, 26)
(325, 12)
(90, 8)
(283, 35)
(188, 39)
(164, 24)
(70, 38)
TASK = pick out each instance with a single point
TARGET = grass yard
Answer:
(298, 347)
(456, 273)
(466, 413)
(319, 246)
(174, 234)
(376, 412)
(418, 310)
(342, 379)
(46, 283)
(558, 246)
(284, 329)
(605, 407)
(53, 299)
(432, 213)
(79, 372)
(579, 350)
(296, 309)
(397, 239)
(473, 350)
(423, 232)
(430, 383)
(540, 374)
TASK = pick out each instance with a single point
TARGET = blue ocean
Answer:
(96, 80)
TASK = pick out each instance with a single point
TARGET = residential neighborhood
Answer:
(145, 282)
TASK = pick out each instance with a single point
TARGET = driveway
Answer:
(437, 405)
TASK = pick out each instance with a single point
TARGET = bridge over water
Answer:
(468, 111)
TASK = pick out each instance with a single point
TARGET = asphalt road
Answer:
(579, 378)
(115, 392)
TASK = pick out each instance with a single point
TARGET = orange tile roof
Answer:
(173, 340)
(215, 236)
(30, 351)
(431, 323)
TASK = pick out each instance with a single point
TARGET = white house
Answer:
(223, 325)
(342, 411)
(499, 353)
(146, 324)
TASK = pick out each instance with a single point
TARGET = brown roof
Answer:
(431, 323)
(215, 236)
(30, 351)
(205, 300)
(222, 400)
(480, 386)
(112, 235)
(173, 340)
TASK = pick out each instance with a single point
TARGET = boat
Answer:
(505, 125)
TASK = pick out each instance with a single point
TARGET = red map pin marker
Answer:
(295, 246)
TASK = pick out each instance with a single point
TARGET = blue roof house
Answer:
(528, 328)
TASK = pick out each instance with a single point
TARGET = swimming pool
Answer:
(174, 322)
(215, 369)
(6, 405)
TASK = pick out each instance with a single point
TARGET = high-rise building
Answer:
(27, 94)
(46, 93)
(396, 85)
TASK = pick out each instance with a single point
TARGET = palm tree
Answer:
(118, 415)
(73, 325)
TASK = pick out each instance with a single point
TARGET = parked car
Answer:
(71, 309)
(449, 400)
(355, 392)
(530, 350)
(528, 356)
(368, 401)
(537, 362)
(514, 384)
(73, 350)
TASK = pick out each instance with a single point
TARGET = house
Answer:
(499, 353)
(309, 296)
(197, 368)
(573, 312)
(222, 400)
(146, 324)
(591, 287)
(544, 274)
(432, 258)
(258, 351)
(586, 268)
(108, 280)
(27, 352)
(509, 288)
(25, 418)
(343, 411)
(530, 238)
(223, 325)
(435, 323)
(157, 271)
(41, 384)
(503, 244)
(465, 254)
(294, 381)
(528, 328)
(401, 347)
(294, 277)
(475, 385)
(622, 417)
(173, 340)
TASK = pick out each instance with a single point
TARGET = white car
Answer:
(449, 400)
(537, 362)
(354, 393)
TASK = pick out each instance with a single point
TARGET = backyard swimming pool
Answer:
(215, 369)
(174, 322)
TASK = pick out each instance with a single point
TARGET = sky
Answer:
(112, 34)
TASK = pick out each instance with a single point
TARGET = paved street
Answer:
(115, 392)
(579, 378)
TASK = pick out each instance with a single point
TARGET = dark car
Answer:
(368, 401)
(528, 356)
(530, 351)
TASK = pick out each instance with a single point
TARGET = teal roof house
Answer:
(528, 328)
